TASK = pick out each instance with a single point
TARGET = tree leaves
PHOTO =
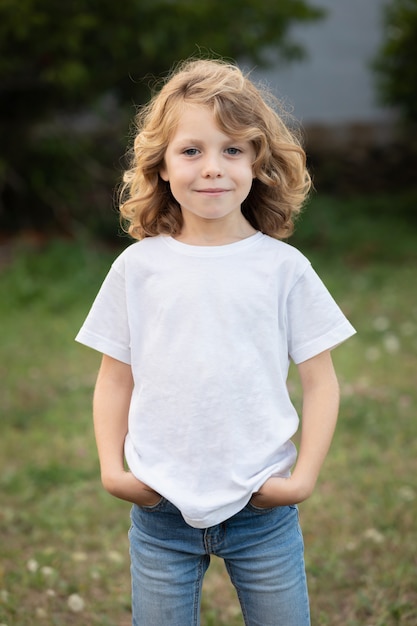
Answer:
(396, 63)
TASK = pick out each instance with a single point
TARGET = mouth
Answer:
(211, 191)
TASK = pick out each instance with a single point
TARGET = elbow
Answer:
(108, 483)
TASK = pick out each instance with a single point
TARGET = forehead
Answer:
(196, 121)
(193, 116)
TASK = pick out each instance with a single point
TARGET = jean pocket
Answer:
(260, 509)
(153, 507)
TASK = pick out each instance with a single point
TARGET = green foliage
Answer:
(380, 228)
(69, 53)
(396, 66)
(61, 58)
(56, 281)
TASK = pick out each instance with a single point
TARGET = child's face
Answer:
(210, 174)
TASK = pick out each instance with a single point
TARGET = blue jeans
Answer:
(262, 549)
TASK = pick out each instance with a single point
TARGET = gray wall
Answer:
(335, 85)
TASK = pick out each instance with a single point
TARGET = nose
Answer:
(212, 167)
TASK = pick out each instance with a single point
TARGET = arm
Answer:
(319, 416)
(112, 397)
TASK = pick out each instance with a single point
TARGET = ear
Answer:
(163, 172)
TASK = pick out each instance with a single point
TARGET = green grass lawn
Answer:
(63, 541)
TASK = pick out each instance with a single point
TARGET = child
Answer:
(197, 322)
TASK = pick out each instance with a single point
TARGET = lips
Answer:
(213, 191)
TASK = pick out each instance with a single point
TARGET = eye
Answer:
(233, 151)
(191, 152)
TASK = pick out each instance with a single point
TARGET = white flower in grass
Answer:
(391, 344)
(4, 596)
(79, 557)
(32, 566)
(381, 323)
(75, 603)
(50, 593)
(115, 556)
(407, 493)
(41, 613)
(47, 571)
(374, 535)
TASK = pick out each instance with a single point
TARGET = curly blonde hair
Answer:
(242, 111)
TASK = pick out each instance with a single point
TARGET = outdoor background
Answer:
(71, 76)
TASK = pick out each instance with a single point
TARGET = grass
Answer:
(63, 550)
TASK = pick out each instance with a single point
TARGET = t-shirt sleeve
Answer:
(315, 322)
(106, 327)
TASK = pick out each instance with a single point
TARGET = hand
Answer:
(278, 491)
(125, 486)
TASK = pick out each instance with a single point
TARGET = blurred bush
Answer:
(395, 64)
(58, 60)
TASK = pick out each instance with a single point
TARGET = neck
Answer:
(214, 232)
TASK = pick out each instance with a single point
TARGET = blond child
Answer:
(197, 322)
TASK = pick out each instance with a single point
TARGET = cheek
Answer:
(177, 187)
(181, 177)
(250, 173)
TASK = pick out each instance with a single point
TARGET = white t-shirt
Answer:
(209, 332)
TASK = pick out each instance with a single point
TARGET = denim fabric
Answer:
(262, 550)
